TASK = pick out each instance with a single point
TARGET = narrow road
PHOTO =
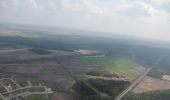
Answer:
(121, 95)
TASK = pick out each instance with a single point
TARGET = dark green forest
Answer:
(107, 89)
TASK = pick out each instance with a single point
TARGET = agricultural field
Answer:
(116, 64)
(36, 97)
(151, 84)
(35, 58)
(15, 55)
(58, 73)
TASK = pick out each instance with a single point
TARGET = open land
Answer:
(120, 65)
(56, 73)
(76, 66)
(151, 84)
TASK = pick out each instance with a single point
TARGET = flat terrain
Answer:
(139, 69)
(61, 96)
(57, 73)
(11, 32)
(61, 69)
(152, 95)
(151, 84)
(120, 65)
(14, 55)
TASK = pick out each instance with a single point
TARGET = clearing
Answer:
(151, 84)
(120, 65)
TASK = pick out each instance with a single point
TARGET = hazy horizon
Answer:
(137, 18)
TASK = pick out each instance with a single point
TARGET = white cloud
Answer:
(146, 18)
(18, 4)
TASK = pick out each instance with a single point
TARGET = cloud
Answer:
(125, 7)
(146, 18)
(18, 4)
(100, 6)
(164, 4)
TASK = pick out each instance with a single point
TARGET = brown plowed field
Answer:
(151, 84)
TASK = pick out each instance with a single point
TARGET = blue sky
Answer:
(141, 18)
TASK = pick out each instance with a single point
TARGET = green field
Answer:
(111, 64)
(36, 97)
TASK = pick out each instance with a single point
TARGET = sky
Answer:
(140, 18)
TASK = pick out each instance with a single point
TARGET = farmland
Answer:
(62, 61)
(36, 97)
(112, 64)
(50, 72)
(151, 84)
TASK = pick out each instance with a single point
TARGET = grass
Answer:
(36, 89)
(100, 61)
(117, 64)
(44, 71)
(98, 77)
(83, 78)
(80, 77)
(36, 97)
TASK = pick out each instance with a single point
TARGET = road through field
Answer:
(121, 95)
